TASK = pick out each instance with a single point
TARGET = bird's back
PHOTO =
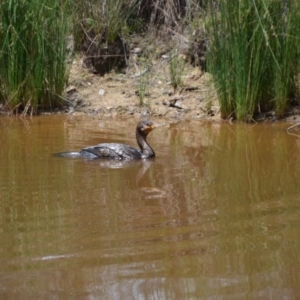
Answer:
(112, 151)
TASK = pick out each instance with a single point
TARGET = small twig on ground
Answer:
(140, 73)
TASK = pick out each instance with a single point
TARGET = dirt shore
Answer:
(118, 94)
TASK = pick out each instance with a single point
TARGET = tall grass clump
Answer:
(107, 16)
(285, 44)
(101, 29)
(253, 55)
(32, 53)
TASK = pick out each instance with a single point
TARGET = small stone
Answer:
(137, 50)
(70, 89)
(101, 92)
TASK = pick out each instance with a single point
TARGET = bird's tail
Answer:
(71, 154)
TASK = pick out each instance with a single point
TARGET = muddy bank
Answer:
(117, 94)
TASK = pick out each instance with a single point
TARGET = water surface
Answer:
(216, 215)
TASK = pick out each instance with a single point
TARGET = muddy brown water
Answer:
(215, 216)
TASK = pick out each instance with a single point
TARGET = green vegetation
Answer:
(107, 16)
(143, 86)
(32, 53)
(253, 55)
(251, 47)
(177, 63)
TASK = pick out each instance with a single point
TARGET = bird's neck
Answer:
(147, 151)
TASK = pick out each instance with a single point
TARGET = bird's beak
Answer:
(148, 129)
(158, 125)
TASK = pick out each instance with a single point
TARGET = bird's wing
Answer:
(111, 150)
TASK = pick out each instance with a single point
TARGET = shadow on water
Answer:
(214, 216)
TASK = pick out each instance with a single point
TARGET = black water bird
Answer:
(117, 150)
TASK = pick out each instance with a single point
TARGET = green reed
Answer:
(32, 53)
(253, 55)
(285, 42)
(176, 67)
